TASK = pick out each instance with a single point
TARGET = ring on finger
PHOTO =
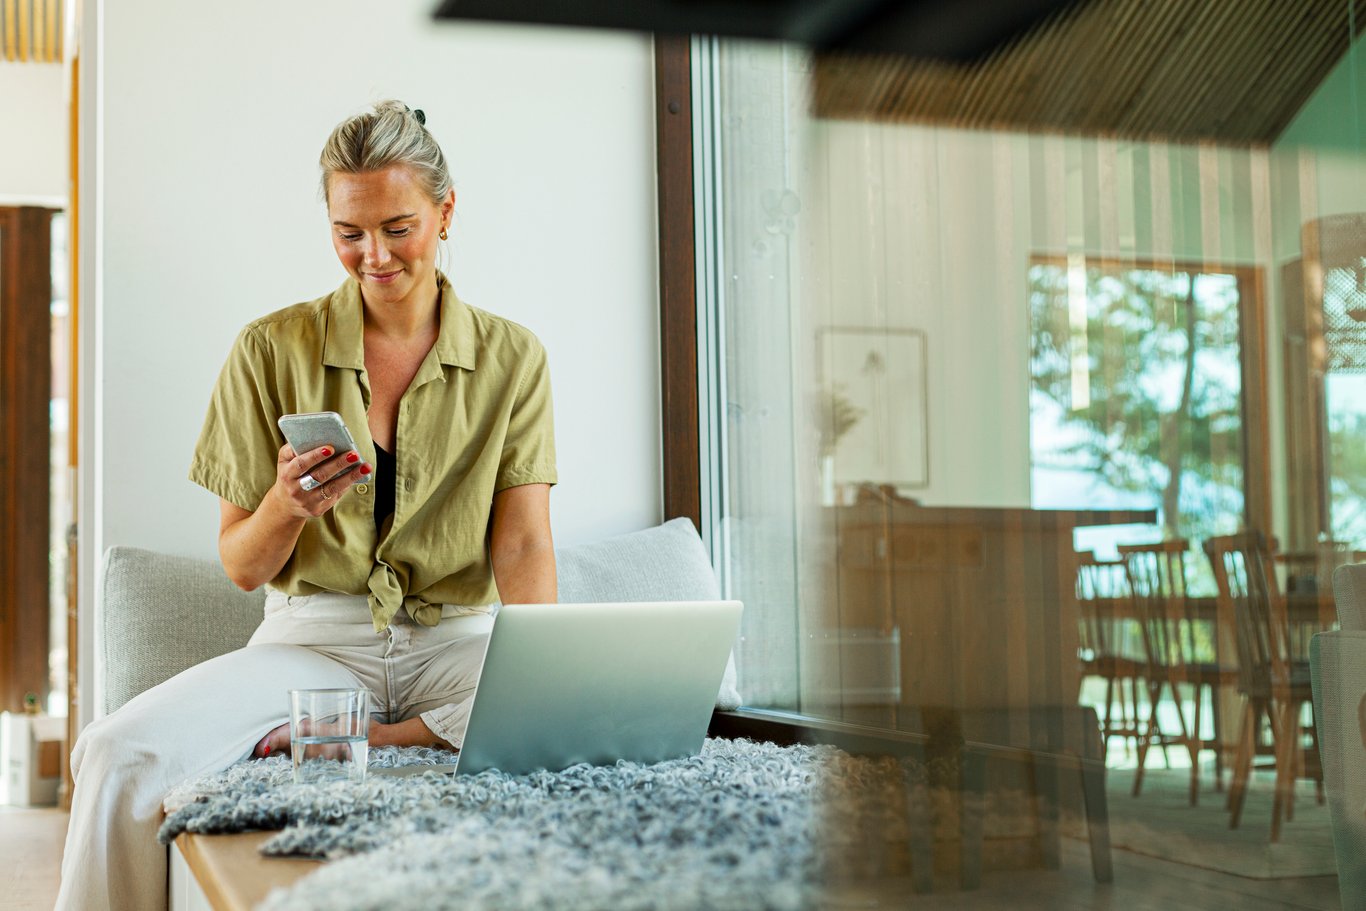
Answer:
(326, 495)
(308, 482)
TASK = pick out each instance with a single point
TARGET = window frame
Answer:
(678, 315)
(1256, 437)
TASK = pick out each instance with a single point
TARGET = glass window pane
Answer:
(1040, 441)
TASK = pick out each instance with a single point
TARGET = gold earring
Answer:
(442, 235)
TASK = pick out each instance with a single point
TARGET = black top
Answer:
(385, 469)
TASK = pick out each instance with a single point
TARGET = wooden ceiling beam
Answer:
(1226, 70)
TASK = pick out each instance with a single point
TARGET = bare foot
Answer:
(276, 742)
(413, 732)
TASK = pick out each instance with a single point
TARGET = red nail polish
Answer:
(352, 457)
(267, 750)
(326, 453)
(365, 469)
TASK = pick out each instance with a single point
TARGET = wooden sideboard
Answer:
(983, 603)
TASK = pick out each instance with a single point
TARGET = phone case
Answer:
(319, 428)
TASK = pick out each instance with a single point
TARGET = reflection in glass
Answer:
(976, 385)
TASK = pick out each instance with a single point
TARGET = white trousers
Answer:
(213, 715)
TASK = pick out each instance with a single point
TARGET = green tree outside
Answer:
(1143, 364)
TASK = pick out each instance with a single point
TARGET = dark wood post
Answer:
(677, 279)
(25, 393)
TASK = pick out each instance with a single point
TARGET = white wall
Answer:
(34, 153)
(210, 130)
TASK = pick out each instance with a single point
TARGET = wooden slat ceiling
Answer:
(1233, 70)
(31, 30)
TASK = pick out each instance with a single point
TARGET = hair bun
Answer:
(421, 117)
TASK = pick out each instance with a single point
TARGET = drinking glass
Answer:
(329, 734)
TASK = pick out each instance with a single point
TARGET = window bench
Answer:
(227, 872)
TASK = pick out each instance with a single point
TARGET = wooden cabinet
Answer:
(983, 602)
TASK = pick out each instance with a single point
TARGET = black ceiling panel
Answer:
(961, 30)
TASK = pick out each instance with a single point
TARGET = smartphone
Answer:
(306, 432)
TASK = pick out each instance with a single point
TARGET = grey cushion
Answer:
(664, 563)
(163, 614)
(1338, 660)
(1349, 590)
(1338, 665)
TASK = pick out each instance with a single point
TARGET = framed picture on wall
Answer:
(873, 411)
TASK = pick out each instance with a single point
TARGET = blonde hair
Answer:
(388, 134)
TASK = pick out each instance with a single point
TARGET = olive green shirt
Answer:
(475, 420)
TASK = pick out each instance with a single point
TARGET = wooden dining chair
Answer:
(1109, 644)
(1272, 679)
(1157, 581)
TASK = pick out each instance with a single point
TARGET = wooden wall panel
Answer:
(1233, 70)
(31, 31)
(25, 392)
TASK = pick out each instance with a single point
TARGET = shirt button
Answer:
(362, 488)
(408, 484)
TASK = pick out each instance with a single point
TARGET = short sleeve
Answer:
(237, 451)
(529, 447)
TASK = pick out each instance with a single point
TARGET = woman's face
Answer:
(385, 229)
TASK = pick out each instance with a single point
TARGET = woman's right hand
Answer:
(337, 471)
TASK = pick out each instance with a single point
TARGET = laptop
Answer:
(569, 683)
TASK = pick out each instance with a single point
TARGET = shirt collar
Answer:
(344, 345)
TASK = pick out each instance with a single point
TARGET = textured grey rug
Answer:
(736, 827)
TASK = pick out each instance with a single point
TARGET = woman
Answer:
(386, 574)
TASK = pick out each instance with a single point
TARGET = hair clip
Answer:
(421, 117)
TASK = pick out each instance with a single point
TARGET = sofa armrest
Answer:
(1338, 666)
(1349, 591)
(160, 614)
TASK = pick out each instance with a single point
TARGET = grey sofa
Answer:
(1338, 665)
(161, 614)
